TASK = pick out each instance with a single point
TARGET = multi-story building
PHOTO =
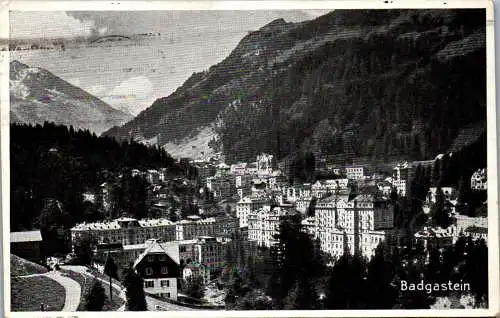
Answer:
(244, 191)
(222, 225)
(449, 194)
(243, 180)
(222, 169)
(463, 221)
(302, 205)
(222, 186)
(196, 270)
(129, 231)
(159, 266)
(153, 176)
(297, 192)
(477, 233)
(432, 238)
(124, 231)
(248, 205)
(238, 168)
(205, 170)
(401, 179)
(277, 180)
(324, 188)
(265, 164)
(357, 225)
(209, 252)
(309, 225)
(385, 187)
(264, 223)
(479, 180)
(401, 186)
(354, 173)
(107, 200)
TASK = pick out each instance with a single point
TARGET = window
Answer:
(149, 271)
(149, 284)
(165, 283)
(164, 270)
(168, 295)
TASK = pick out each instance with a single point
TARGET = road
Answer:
(72, 288)
(152, 302)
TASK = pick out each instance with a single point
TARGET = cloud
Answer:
(185, 22)
(132, 95)
(50, 24)
(46, 24)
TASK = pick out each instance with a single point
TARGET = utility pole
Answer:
(107, 272)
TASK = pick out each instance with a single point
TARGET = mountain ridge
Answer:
(375, 84)
(37, 95)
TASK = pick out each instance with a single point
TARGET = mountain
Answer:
(36, 96)
(355, 84)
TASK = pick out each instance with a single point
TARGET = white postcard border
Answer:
(493, 221)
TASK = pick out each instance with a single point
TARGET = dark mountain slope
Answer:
(377, 84)
(36, 96)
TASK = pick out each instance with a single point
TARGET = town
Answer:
(300, 160)
(353, 211)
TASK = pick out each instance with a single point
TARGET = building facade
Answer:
(479, 180)
(356, 225)
(248, 205)
(264, 223)
(129, 231)
(354, 173)
(159, 267)
(27, 244)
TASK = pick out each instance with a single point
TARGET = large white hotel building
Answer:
(129, 231)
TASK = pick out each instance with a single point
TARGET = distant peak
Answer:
(275, 23)
(16, 63)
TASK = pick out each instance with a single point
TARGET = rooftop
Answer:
(156, 248)
(25, 236)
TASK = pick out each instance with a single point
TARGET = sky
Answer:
(50, 24)
(191, 41)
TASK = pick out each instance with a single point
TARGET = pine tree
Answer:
(476, 271)
(194, 287)
(439, 212)
(379, 278)
(301, 296)
(296, 258)
(346, 287)
(414, 299)
(95, 297)
(134, 284)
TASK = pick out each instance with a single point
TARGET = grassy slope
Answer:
(29, 292)
(20, 266)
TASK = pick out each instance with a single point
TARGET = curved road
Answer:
(73, 290)
(152, 302)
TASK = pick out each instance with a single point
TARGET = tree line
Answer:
(298, 275)
(53, 165)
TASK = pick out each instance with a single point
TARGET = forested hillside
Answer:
(377, 84)
(53, 163)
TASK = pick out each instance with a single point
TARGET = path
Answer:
(83, 271)
(72, 288)
(152, 302)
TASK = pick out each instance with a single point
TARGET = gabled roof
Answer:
(171, 250)
(25, 236)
